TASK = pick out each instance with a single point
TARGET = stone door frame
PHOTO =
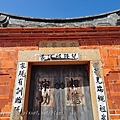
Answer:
(87, 56)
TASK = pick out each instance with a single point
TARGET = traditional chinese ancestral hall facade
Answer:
(60, 69)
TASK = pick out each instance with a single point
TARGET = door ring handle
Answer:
(62, 85)
(57, 86)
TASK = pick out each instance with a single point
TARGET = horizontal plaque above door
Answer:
(58, 43)
(59, 56)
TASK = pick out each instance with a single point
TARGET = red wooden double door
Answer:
(59, 92)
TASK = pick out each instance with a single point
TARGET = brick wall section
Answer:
(106, 39)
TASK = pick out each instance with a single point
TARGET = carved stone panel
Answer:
(58, 43)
